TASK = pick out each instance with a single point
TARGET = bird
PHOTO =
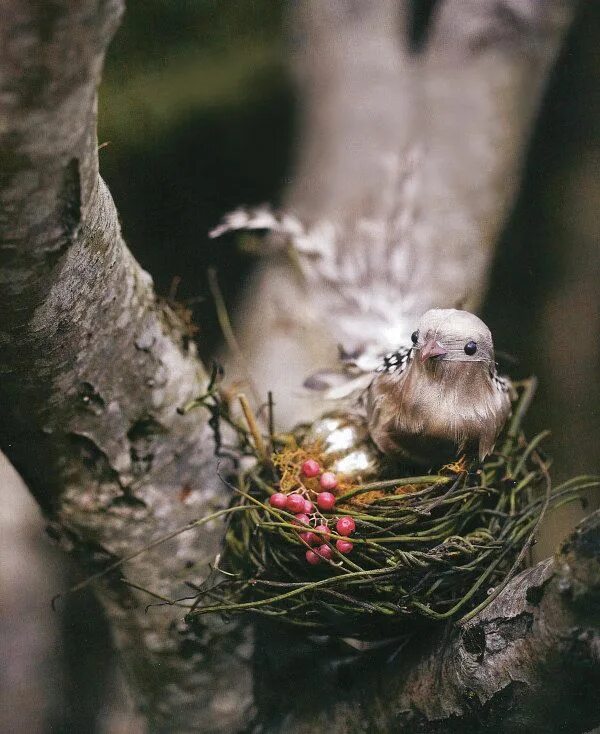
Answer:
(440, 397)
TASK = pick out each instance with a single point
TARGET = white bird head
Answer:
(450, 335)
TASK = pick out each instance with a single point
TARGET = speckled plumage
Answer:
(432, 401)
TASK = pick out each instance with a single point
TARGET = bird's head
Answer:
(448, 335)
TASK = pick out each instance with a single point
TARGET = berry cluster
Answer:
(317, 532)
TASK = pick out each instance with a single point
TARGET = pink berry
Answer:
(301, 520)
(295, 503)
(345, 526)
(323, 530)
(326, 501)
(310, 538)
(312, 557)
(328, 480)
(344, 546)
(325, 552)
(308, 507)
(278, 500)
(311, 468)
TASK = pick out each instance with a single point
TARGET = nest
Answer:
(439, 546)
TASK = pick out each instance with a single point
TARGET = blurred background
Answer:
(197, 116)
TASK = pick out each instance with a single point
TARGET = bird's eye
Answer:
(414, 337)
(470, 348)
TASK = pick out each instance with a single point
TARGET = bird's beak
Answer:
(432, 348)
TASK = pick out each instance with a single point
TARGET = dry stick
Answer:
(174, 287)
(261, 449)
(163, 538)
(164, 599)
(227, 329)
(524, 549)
(271, 419)
(533, 444)
(403, 481)
(530, 386)
(332, 580)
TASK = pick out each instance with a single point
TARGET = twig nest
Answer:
(345, 446)
(352, 556)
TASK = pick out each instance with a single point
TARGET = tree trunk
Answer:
(94, 368)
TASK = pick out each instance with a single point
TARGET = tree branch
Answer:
(529, 662)
(94, 368)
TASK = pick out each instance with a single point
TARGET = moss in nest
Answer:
(288, 462)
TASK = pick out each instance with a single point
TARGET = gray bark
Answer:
(94, 366)
(530, 662)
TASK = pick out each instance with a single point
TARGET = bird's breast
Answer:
(430, 414)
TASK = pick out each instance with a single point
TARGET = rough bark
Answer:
(530, 662)
(94, 367)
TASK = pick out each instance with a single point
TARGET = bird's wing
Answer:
(360, 268)
(396, 362)
(355, 374)
(503, 384)
(488, 437)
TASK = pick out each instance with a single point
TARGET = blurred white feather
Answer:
(362, 292)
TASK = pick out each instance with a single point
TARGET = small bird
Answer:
(442, 396)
